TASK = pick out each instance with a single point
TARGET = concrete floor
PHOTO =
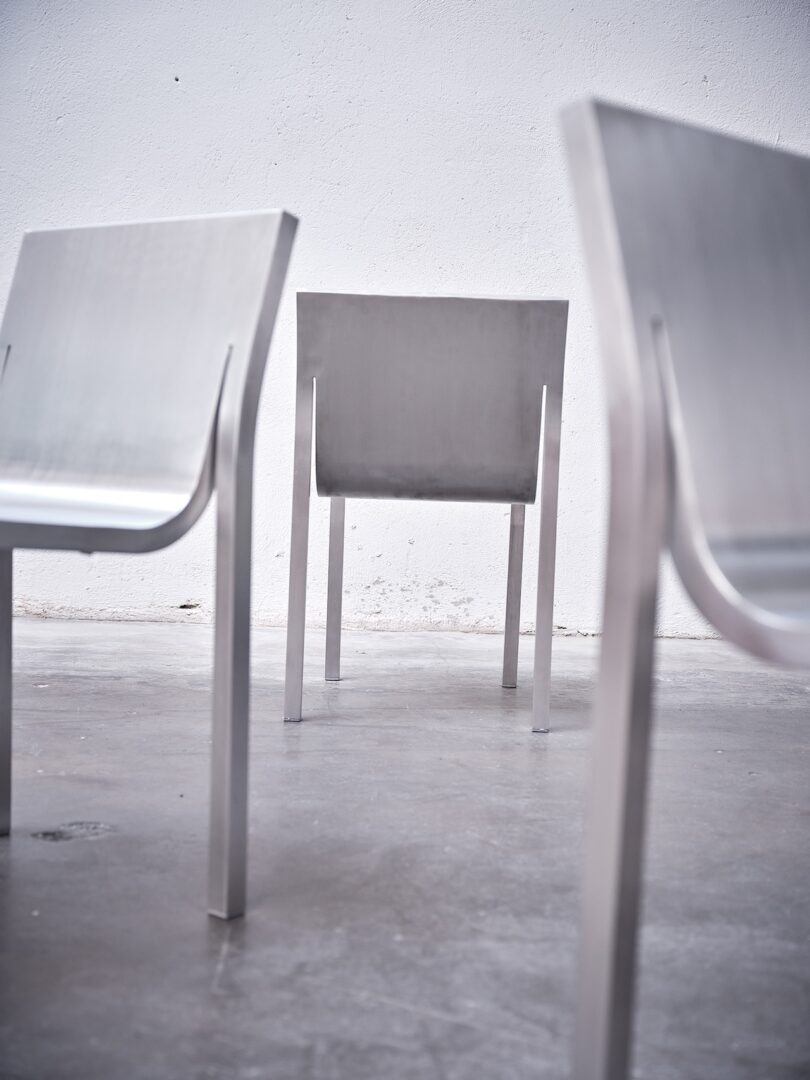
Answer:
(415, 861)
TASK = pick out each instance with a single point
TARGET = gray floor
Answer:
(415, 865)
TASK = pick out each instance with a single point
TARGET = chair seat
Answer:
(83, 506)
(773, 575)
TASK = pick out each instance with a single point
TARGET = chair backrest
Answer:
(429, 397)
(114, 348)
(699, 252)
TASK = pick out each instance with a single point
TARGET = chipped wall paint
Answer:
(418, 142)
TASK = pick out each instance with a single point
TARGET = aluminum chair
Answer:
(698, 248)
(427, 398)
(131, 362)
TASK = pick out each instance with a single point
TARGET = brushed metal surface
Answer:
(131, 364)
(334, 587)
(698, 251)
(235, 434)
(427, 398)
(514, 583)
(714, 240)
(115, 341)
(6, 623)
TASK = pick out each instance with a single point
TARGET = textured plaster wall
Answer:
(419, 144)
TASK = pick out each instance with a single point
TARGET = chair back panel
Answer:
(429, 397)
(714, 237)
(113, 349)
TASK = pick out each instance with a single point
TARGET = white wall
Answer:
(418, 143)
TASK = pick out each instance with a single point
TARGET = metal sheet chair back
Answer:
(429, 398)
(699, 249)
(108, 390)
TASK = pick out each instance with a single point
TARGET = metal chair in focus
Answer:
(427, 398)
(131, 362)
(698, 249)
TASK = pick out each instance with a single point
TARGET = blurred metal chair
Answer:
(427, 398)
(131, 362)
(698, 247)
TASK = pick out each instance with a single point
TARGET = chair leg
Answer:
(6, 561)
(640, 505)
(547, 555)
(227, 875)
(614, 849)
(297, 607)
(334, 597)
(514, 581)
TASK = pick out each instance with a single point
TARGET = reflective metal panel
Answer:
(714, 240)
(429, 397)
(698, 251)
(108, 389)
(131, 364)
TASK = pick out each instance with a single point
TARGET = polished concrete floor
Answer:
(415, 860)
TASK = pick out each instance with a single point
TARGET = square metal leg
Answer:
(514, 581)
(640, 501)
(612, 890)
(6, 593)
(334, 597)
(299, 541)
(544, 621)
(227, 875)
